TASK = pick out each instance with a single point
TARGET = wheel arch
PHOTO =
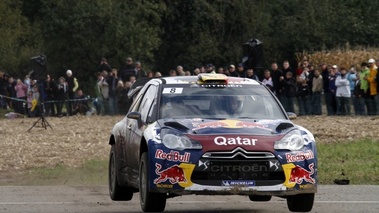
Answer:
(143, 147)
(112, 140)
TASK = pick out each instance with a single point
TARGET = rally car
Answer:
(210, 135)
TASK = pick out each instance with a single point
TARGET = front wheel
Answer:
(150, 202)
(300, 202)
(117, 192)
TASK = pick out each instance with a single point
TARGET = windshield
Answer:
(237, 102)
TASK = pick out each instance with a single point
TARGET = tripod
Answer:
(41, 119)
(44, 123)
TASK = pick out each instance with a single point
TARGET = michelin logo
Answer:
(238, 183)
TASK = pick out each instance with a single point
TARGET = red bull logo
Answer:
(215, 124)
(244, 124)
(300, 156)
(172, 156)
(228, 124)
(299, 174)
(174, 174)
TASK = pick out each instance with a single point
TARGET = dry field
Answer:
(77, 139)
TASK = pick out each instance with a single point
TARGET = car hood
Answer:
(228, 126)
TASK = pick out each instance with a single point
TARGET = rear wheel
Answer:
(117, 192)
(150, 202)
(301, 202)
(258, 198)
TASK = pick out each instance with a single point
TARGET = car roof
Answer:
(207, 78)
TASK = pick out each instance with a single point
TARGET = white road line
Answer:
(184, 201)
(354, 201)
(37, 203)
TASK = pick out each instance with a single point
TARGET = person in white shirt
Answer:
(343, 93)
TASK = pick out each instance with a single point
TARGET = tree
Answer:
(18, 39)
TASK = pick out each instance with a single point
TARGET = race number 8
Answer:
(172, 90)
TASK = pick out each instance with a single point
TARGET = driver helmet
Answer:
(234, 104)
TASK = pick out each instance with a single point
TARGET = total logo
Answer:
(224, 141)
(174, 156)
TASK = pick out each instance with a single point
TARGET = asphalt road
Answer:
(93, 199)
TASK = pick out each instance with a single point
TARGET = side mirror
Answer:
(291, 115)
(135, 116)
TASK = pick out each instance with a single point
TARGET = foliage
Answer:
(163, 34)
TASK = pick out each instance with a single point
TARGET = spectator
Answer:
(124, 101)
(50, 91)
(104, 91)
(3, 91)
(276, 75)
(220, 70)
(150, 74)
(333, 88)
(232, 70)
(352, 78)
(61, 95)
(112, 82)
(250, 74)
(210, 68)
(128, 70)
(11, 91)
(371, 78)
(287, 68)
(179, 70)
(240, 71)
(303, 96)
(132, 79)
(157, 74)
(196, 71)
(35, 109)
(327, 94)
(360, 108)
(172, 73)
(187, 73)
(316, 93)
(343, 93)
(301, 66)
(365, 86)
(29, 100)
(267, 80)
(104, 65)
(73, 86)
(99, 102)
(140, 73)
(21, 92)
(81, 103)
(289, 91)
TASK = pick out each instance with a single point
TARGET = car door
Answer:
(136, 130)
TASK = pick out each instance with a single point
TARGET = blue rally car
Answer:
(210, 135)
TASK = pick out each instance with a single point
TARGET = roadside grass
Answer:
(357, 161)
(92, 172)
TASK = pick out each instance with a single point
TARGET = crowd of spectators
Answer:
(307, 86)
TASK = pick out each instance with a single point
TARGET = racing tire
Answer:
(150, 202)
(117, 192)
(262, 198)
(300, 202)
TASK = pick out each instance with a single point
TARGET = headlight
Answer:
(292, 141)
(175, 140)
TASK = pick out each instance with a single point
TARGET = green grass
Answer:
(357, 161)
(92, 172)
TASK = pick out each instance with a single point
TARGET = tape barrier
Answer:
(52, 101)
